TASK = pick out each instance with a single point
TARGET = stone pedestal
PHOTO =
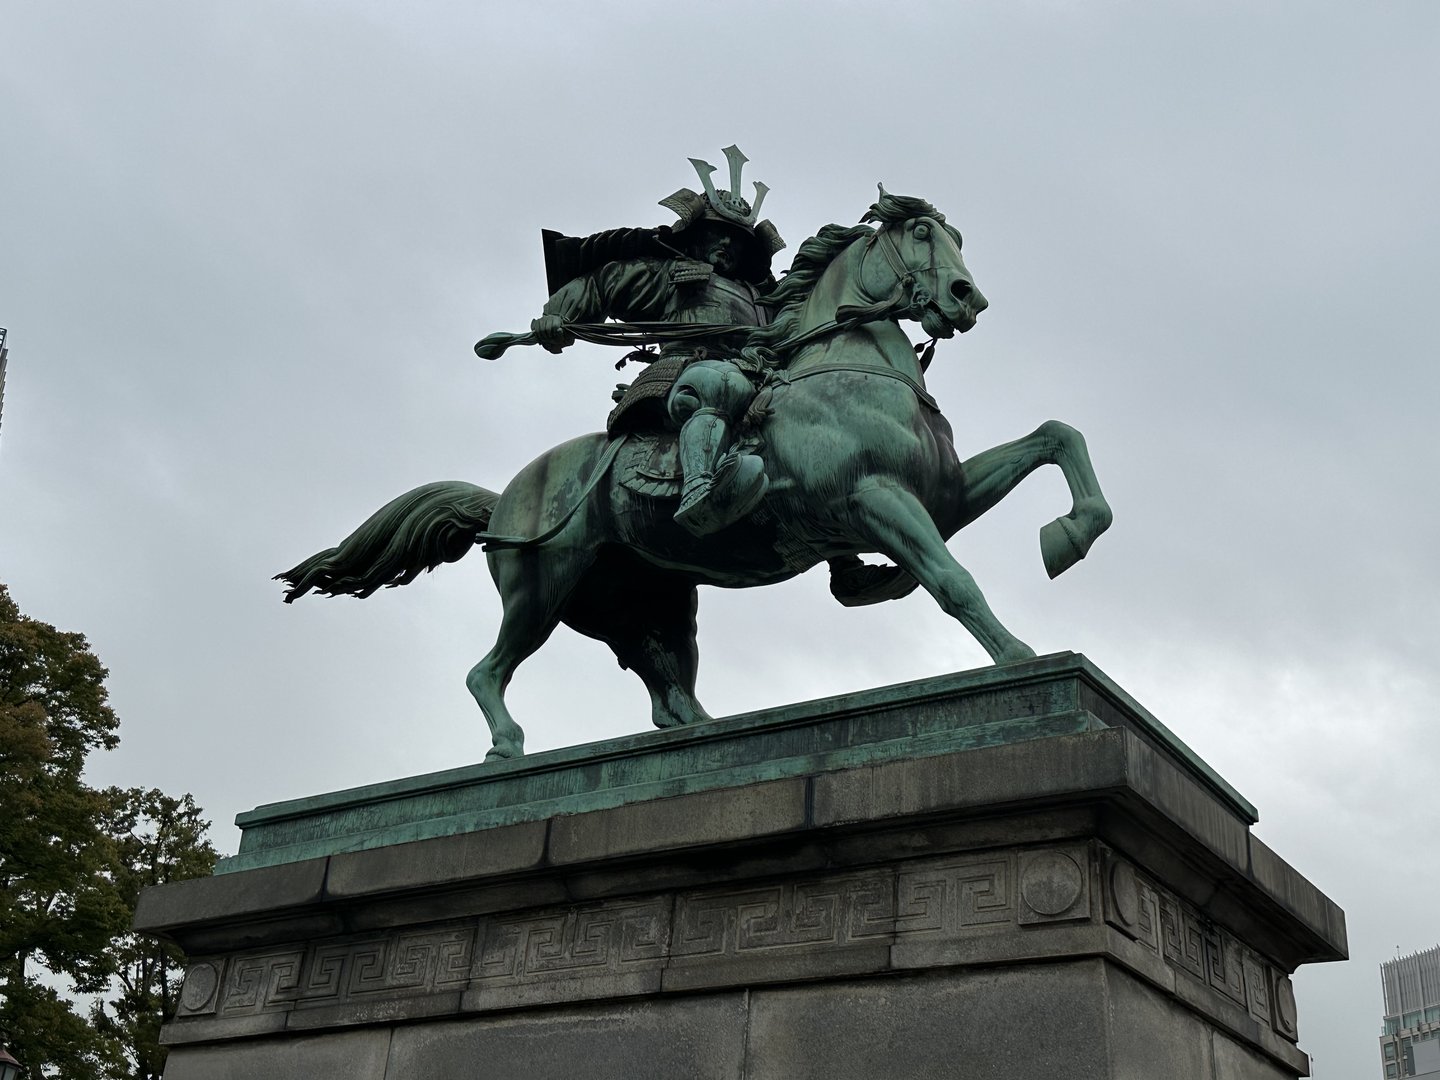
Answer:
(1012, 872)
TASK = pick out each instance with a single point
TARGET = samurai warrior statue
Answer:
(709, 271)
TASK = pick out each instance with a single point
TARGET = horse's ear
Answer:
(873, 214)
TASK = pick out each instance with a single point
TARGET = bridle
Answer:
(894, 306)
(921, 298)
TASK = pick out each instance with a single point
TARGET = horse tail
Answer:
(436, 523)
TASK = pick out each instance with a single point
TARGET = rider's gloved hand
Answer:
(550, 332)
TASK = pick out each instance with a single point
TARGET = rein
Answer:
(490, 541)
(785, 378)
(920, 298)
(637, 333)
(847, 317)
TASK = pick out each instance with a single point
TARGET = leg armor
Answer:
(721, 486)
(855, 583)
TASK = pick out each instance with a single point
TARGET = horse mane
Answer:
(816, 254)
(893, 209)
(790, 293)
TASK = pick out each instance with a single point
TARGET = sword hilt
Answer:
(494, 346)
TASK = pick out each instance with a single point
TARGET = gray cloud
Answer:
(245, 252)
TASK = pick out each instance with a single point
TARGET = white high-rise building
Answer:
(3, 353)
(1410, 1037)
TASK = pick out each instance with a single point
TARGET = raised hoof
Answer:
(1065, 541)
(1060, 546)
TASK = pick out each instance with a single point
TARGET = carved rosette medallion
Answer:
(197, 993)
(1053, 886)
(1284, 998)
(958, 908)
(1124, 894)
(1192, 944)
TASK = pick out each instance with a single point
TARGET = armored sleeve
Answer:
(632, 290)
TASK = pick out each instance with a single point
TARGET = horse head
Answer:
(920, 266)
(908, 267)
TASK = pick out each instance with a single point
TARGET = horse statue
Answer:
(859, 458)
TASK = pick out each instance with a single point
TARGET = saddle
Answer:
(649, 464)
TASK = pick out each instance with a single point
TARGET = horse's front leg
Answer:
(894, 522)
(993, 474)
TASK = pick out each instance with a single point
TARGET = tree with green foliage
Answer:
(72, 862)
(59, 907)
(157, 839)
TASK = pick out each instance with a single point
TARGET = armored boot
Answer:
(855, 583)
(720, 488)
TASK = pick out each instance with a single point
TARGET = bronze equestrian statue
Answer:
(780, 425)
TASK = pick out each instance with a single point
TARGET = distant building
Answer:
(1410, 1038)
(3, 353)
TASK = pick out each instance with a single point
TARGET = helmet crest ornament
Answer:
(730, 204)
(726, 206)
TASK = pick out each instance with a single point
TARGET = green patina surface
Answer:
(1052, 695)
(776, 425)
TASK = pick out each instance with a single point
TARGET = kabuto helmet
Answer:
(567, 257)
(728, 209)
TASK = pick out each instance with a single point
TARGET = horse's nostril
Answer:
(961, 290)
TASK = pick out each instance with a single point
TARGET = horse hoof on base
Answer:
(1060, 546)
(505, 750)
(1015, 654)
(680, 716)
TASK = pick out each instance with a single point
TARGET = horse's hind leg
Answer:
(647, 617)
(533, 588)
(666, 656)
(897, 524)
(993, 474)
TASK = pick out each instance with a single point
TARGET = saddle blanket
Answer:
(649, 464)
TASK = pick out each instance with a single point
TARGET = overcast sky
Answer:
(245, 250)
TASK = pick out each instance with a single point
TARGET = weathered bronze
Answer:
(779, 426)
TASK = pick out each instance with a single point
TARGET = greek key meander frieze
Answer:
(254, 983)
(415, 961)
(572, 942)
(407, 962)
(1195, 946)
(936, 897)
(954, 898)
(786, 915)
(943, 897)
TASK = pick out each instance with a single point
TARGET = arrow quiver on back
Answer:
(642, 405)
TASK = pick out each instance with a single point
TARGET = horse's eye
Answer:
(921, 231)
